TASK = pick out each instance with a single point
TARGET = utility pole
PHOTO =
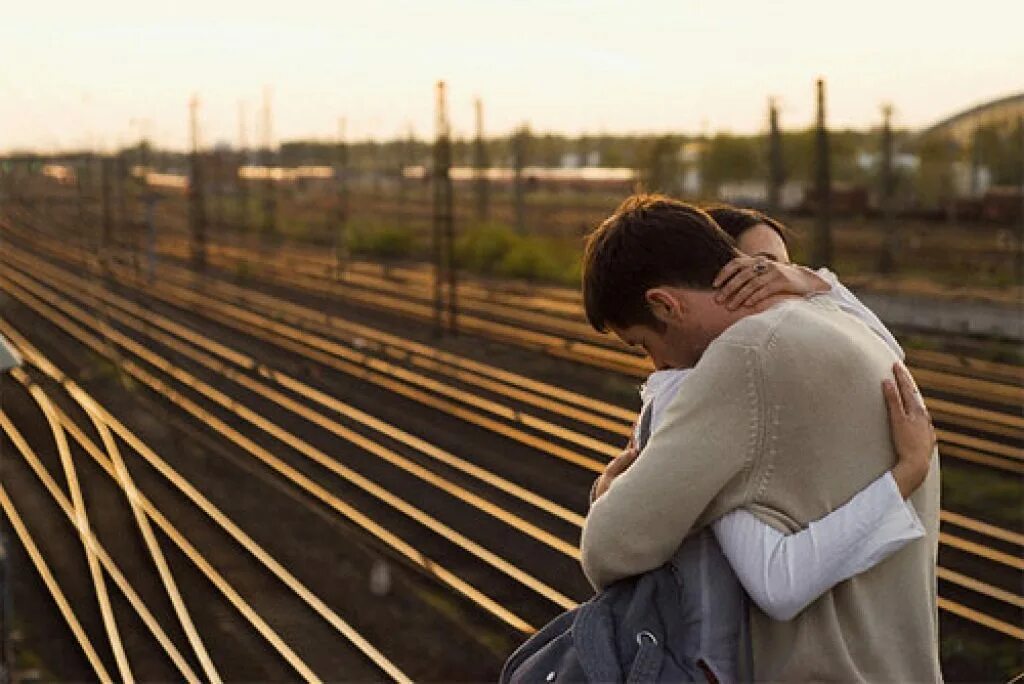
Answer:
(823, 185)
(81, 173)
(444, 220)
(105, 201)
(775, 171)
(217, 190)
(518, 182)
(197, 212)
(242, 210)
(406, 157)
(975, 163)
(149, 197)
(270, 191)
(340, 232)
(1020, 218)
(886, 195)
(124, 222)
(480, 164)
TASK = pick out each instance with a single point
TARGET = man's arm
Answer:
(708, 439)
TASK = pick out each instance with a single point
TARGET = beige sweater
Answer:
(784, 415)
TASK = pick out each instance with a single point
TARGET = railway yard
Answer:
(269, 469)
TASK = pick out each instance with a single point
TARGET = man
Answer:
(781, 415)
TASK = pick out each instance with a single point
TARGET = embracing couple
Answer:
(781, 483)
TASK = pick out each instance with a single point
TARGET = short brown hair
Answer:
(735, 221)
(650, 241)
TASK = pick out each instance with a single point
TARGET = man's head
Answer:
(756, 234)
(647, 275)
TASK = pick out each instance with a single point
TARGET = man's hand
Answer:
(913, 435)
(614, 468)
(746, 280)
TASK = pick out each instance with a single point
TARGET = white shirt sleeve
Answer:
(848, 302)
(784, 574)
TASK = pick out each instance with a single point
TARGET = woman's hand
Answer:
(913, 435)
(746, 280)
(615, 467)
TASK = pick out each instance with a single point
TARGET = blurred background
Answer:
(384, 204)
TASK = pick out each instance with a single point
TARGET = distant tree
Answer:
(998, 151)
(731, 158)
(663, 171)
(934, 181)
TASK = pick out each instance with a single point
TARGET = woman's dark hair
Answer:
(650, 241)
(736, 221)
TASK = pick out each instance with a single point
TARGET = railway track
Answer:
(312, 347)
(106, 452)
(975, 404)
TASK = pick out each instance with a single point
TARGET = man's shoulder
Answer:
(792, 322)
(789, 333)
(759, 331)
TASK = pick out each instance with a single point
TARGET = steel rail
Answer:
(83, 528)
(328, 353)
(305, 448)
(429, 357)
(962, 516)
(955, 449)
(132, 493)
(567, 302)
(301, 388)
(979, 587)
(276, 464)
(62, 501)
(981, 527)
(53, 586)
(247, 363)
(616, 358)
(172, 532)
(171, 475)
(388, 376)
(402, 348)
(980, 618)
(953, 541)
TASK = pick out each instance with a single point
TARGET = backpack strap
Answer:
(645, 425)
(593, 635)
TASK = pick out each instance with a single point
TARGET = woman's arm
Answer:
(785, 573)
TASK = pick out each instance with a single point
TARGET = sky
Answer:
(104, 74)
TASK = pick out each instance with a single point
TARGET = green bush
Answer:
(381, 241)
(529, 259)
(498, 250)
(482, 248)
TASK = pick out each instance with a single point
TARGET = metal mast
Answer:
(444, 221)
(197, 212)
(823, 185)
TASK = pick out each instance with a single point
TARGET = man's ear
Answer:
(666, 307)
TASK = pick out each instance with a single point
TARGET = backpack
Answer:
(623, 634)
